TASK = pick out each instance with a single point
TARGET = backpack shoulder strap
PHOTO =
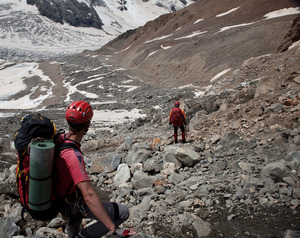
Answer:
(68, 146)
(62, 147)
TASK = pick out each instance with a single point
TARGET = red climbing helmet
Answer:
(177, 103)
(79, 112)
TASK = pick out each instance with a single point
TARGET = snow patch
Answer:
(220, 74)
(198, 21)
(158, 38)
(195, 33)
(109, 117)
(165, 47)
(228, 12)
(12, 82)
(283, 12)
(130, 87)
(235, 26)
(295, 45)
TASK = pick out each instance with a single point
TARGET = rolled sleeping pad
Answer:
(40, 174)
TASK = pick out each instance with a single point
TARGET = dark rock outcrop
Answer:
(73, 12)
(292, 36)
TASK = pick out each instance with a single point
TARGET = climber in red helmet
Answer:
(82, 200)
(178, 119)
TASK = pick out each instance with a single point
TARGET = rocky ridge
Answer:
(196, 43)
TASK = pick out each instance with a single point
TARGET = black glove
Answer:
(184, 123)
(121, 232)
(170, 123)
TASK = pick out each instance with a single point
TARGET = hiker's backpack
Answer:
(34, 126)
(176, 117)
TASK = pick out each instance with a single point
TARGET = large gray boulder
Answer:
(229, 142)
(122, 175)
(284, 170)
(107, 163)
(139, 156)
(187, 156)
(141, 180)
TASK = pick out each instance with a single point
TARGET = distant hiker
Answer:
(70, 175)
(178, 119)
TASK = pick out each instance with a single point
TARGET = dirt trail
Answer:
(54, 72)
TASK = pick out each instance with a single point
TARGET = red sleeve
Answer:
(76, 166)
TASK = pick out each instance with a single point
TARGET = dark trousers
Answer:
(181, 128)
(117, 212)
(182, 133)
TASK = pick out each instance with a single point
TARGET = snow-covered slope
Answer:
(27, 35)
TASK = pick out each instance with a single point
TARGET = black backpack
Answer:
(33, 126)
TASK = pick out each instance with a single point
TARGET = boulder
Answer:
(187, 156)
(122, 175)
(138, 156)
(141, 180)
(107, 163)
(276, 171)
(202, 227)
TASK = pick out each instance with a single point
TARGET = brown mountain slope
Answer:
(193, 45)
